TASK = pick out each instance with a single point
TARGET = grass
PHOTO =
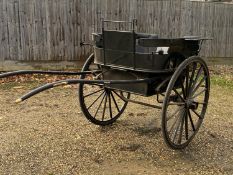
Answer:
(222, 81)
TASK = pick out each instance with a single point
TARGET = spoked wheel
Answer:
(100, 105)
(185, 102)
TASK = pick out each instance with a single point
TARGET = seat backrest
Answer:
(119, 40)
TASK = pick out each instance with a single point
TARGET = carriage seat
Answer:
(142, 49)
(123, 41)
(146, 35)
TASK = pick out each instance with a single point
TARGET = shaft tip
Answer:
(18, 100)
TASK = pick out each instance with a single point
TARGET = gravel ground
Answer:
(49, 135)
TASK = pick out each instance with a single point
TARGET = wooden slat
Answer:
(51, 30)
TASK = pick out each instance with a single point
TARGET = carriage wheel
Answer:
(185, 102)
(100, 105)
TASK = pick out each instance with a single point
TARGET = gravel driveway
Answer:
(49, 135)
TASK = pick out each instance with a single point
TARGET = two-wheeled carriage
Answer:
(127, 62)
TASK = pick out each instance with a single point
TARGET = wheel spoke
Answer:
(93, 93)
(95, 100)
(175, 122)
(178, 94)
(191, 121)
(181, 128)
(99, 105)
(186, 126)
(199, 84)
(195, 112)
(174, 114)
(106, 98)
(183, 90)
(110, 105)
(196, 95)
(178, 126)
(197, 77)
(114, 100)
(187, 81)
(119, 96)
(192, 75)
(173, 125)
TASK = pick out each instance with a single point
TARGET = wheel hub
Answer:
(107, 90)
(191, 104)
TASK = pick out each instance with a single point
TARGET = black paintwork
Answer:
(130, 55)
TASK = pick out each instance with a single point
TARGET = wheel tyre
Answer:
(83, 106)
(173, 82)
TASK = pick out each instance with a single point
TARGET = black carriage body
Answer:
(127, 55)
